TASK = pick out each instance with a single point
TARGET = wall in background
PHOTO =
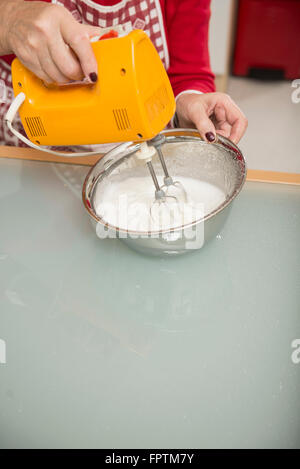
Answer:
(220, 39)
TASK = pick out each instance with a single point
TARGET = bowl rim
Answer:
(185, 134)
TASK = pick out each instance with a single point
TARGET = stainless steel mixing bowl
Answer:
(221, 164)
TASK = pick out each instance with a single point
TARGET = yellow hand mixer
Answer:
(131, 101)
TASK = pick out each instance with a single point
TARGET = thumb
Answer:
(206, 128)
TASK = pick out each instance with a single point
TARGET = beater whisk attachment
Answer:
(161, 208)
(170, 187)
(165, 208)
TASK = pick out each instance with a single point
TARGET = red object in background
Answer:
(268, 38)
(111, 34)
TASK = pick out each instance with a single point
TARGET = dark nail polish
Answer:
(93, 77)
(210, 137)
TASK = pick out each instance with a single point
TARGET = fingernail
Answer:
(93, 77)
(210, 137)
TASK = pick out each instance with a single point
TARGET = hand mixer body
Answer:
(132, 99)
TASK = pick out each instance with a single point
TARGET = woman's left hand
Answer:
(211, 114)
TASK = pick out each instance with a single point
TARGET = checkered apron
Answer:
(132, 14)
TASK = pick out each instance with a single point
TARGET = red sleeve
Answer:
(187, 24)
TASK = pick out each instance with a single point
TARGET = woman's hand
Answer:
(211, 113)
(49, 41)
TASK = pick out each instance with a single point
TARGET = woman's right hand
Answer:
(49, 41)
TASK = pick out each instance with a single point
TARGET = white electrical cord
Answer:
(9, 118)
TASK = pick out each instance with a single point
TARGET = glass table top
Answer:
(108, 348)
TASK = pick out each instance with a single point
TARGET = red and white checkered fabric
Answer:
(133, 14)
(145, 14)
(6, 137)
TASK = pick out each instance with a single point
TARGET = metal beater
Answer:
(164, 199)
(170, 187)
